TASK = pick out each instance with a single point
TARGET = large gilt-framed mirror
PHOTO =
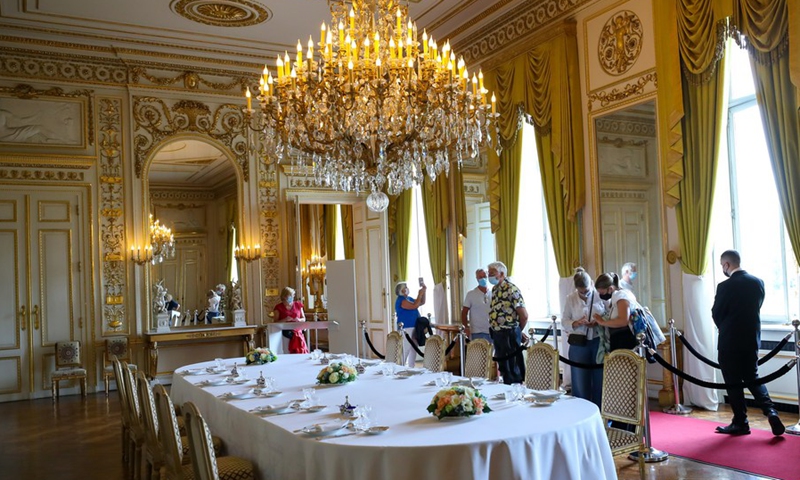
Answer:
(194, 188)
(629, 219)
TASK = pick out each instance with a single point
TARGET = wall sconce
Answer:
(247, 253)
(141, 255)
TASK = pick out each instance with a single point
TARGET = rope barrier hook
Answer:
(648, 453)
(676, 408)
(795, 429)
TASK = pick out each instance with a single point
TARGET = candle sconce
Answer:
(248, 253)
(316, 274)
(141, 255)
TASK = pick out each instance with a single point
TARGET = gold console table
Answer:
(193, 335)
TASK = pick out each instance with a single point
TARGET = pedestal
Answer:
(162, 322)
(238, 318)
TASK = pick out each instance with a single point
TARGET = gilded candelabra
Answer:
(316, 274)
(248, 253)
(372, 108)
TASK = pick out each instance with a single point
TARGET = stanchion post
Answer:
(530, 337)
(649, 454)
(555, 332)
(795, 429)
(676, 408)
(461, 348)
(363, 340)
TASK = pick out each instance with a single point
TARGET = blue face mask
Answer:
(634, 275)
(494, 280)
(290, 300)
(482, 282)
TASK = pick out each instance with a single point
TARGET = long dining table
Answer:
(517, 440)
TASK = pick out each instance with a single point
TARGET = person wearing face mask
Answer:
(507, 318)
(619, 303)
(475, 312)
(737, 314)
(290, 310)
(629, 274)
(407, 309)
(577, 322)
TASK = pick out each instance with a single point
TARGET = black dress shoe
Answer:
(776, 424)
(735, 429)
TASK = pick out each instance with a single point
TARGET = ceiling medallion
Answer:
(620, 42)
(222, 13)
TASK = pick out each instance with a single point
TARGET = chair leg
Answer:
(53, 390)
(83, 387)
(105, 380)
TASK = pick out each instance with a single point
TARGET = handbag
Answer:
(579, 339)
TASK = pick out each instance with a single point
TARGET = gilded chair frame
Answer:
(394, 348)
(67, 369)
(483, 366)
(108, 357)
(624, 397)
(541, 367)
(435, 358)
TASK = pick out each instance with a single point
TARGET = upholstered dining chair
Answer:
(541, 367)
(136, 436)
(124, 410)
(623, 399)
(205, 463)
(479, 359)
(68, 367)
(434, 354)
(115, 347)
(394, 348)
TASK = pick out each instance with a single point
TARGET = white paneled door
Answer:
(374, 294)
(625, 235)
(43, 251)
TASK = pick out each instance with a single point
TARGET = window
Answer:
(747, 215)
(419, 264)
(535, 271)
(339, 247)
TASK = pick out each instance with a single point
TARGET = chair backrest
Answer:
(134, 410)
(123, 399)
(623, 387)
(169, 431)
(148, 416)
(117, 347)
(201, 447)
(394, 348)
(434, 354)
(479, 358)
(541, 367)
(68, 354)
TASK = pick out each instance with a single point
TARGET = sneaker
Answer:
(776, 424)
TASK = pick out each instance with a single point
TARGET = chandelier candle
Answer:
(374, 111)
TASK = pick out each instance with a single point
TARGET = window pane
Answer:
(419, 264)
(740, 75)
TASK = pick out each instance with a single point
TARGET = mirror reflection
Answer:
(630, 216)
(193, 191)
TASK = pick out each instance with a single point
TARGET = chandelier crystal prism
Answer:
(371, 108)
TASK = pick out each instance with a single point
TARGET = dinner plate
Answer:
(193, 371)
(377, 430)
(237, 396)
(323, 429)
(216, 370)
(238, 381)
(212, 383)
(314, 409)
(271, 394)
(432, 383)
(274, 409)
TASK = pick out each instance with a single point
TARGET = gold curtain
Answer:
(402, 230)
(435, 201)
(347, 232)
(670, 100)
(459, 200)
(545, 81)
(764, 23)
(506, 235)
(331, 221)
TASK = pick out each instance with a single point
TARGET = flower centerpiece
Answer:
(260, 356)
(458, 402)
(337, 373)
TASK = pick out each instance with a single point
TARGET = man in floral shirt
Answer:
(507, 318)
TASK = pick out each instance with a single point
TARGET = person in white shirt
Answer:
(629, 274)
(620, 304)
(475, 312)
(577, 322)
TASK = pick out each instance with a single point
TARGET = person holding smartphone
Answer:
(407, 309)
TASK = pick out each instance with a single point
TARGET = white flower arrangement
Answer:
(458, 402)
(260, 356)
(337, 373)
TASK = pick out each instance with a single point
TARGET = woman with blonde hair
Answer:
(577, 322)
(290, 310)
(619, 304)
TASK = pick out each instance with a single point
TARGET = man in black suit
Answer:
(737, 313)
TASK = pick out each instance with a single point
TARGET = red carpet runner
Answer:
(760, 452)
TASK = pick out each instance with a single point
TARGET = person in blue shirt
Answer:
(407, 309)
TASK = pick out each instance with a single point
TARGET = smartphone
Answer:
(421, 281)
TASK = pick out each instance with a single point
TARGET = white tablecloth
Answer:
(515, 441)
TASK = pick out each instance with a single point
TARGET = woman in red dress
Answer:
(291, 311)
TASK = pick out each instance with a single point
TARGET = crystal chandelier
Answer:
(162, 242)
(371, 108)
